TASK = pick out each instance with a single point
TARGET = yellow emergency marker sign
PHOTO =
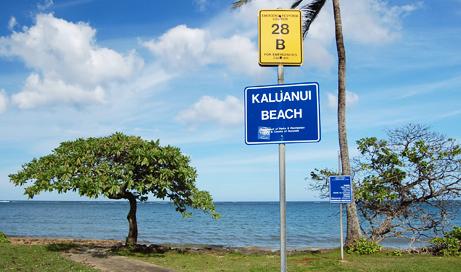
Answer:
(280, 37)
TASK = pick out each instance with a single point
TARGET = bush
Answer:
(364, 247)
(3, 238)
(445, 246)
(454, 233)
(449, 245)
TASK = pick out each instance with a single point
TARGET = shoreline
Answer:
(109, 243)
(145, 246)
(30, 239)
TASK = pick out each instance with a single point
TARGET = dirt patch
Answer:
(114, 263)
(94, 253)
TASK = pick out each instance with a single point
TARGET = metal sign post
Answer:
(340, 214)
(341, 229)
(283, 113)
(282, 192)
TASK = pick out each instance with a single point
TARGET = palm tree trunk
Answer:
(353, 226)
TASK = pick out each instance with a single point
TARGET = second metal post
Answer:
(341, 229)
(340, 213)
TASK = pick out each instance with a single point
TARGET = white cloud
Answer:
(410, 7)
(65, 54)
(201, 4)
(42, 91)
(3, 101)
(68, 50)
(237, 52)
(180, 46)
(317, 55)
(351, 99)
(213, 110)
(12, 23)
(46, 4)
(374, 21)
(184, 48)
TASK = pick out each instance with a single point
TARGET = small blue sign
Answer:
(340, 189)
(285, 113)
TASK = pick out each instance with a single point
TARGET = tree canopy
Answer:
(117, 167)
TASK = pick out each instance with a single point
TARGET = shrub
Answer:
(449, 245)
(454, 233)
(445, 246)
(364, 247)
(3, 238)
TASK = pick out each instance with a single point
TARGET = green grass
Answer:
(229, 262)
(35, 258)
(48, 258)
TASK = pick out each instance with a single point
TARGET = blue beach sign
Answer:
(285, 113)
(340, 189)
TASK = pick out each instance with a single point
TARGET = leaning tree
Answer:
(404, 184)
(117, 167)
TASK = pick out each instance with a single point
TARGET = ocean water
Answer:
(309, 224)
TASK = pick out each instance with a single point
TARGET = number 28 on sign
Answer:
(280, 37)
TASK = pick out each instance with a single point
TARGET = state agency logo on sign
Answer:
(280, 37)
(288, 113)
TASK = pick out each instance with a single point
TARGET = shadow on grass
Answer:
(75, 248)
(129, 251)
(59, 247)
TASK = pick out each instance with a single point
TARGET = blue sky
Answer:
(176, 70)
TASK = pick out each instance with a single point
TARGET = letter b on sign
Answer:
(280, 44)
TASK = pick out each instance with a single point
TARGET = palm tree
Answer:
(353, 226)
(310, 10)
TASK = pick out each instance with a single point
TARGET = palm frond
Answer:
(296, 4)
(239, 3)
(310, 12)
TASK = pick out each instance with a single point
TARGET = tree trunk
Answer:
(353, 226)
(377, 234)
(132, 237)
